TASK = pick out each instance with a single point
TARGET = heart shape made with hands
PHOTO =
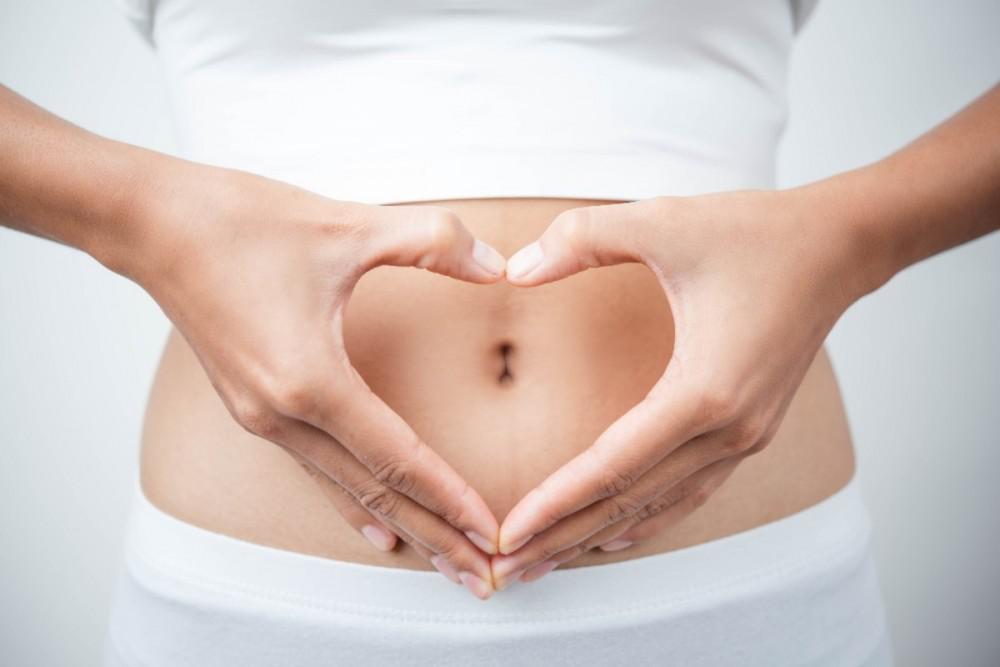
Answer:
(387, 326)
(560, 253)
(715, 403)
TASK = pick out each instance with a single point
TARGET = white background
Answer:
(917, 361)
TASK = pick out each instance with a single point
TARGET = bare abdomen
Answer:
(505, 383)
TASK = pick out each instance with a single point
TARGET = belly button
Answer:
(505, 349)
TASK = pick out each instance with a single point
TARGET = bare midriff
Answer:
(506, 383)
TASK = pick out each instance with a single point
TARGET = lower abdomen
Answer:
(506, 383)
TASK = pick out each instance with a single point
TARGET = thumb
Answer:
(582, 238)
(434, 238)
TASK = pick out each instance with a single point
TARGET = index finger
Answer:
(665, 419)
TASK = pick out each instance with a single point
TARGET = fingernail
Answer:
(488, 258)
(511, 548)
(525, 260)
(380, 537)
(505, 582)
(503, 567)
(481, 542)
(479, 588)
(438, 561)
(538, 571)
(615, 545)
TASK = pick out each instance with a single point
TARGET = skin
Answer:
(276, 261)
(583, 351)
(792, 262)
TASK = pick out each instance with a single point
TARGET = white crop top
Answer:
(387, 101)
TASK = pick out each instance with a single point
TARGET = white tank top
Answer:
(405, 100)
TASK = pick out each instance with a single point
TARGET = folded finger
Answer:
(583, 529)
(379, 534)
(406, 517)
(377, 437)
(668, 510)
(631, 446)
(679, 502)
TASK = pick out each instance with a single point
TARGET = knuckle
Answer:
(716, 404)
(296, 399)
(257, 419)
(572, 227)
(453, 513)
(621, 507)
(655, 507)
(699, 496)
(396, 473)
(546, 550)
(452, 551)
(376, 497)
(614, 483)
(745, 434)
(444, 230)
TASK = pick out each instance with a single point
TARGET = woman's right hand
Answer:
(256, 275)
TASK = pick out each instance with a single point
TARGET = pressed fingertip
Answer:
(378, 536)
(488, 258)
(444, 568)
(476, 585)
(616, 545)
(537, 572)
(508, 547)
(524, 261)
(486, 545)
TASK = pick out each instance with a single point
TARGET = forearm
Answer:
(63, 183)
(940, 191)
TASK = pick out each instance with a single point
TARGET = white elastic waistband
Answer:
(830, 534)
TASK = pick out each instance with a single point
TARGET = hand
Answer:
(755, 284)
(256, 275)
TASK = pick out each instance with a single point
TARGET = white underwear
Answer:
(801, 590)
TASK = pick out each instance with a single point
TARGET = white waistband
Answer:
(829, 535)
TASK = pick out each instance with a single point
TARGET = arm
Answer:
(940, 191)
(237, 262)
(63, 183)
(777, 269)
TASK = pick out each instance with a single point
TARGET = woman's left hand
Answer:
(755, 280)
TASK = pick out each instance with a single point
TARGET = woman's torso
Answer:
(577, 354)
(457, 101)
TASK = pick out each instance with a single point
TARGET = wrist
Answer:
(847, 216)
(153, 215)
(124, 207)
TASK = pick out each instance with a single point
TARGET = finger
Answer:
(614, 512)
(381, 536)
(376, 436)
(406, 517)
(434, 238)
(670, 415)
(582, 238)
(667, 511)
(396, 457)
(436, 560)
(677, 503)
